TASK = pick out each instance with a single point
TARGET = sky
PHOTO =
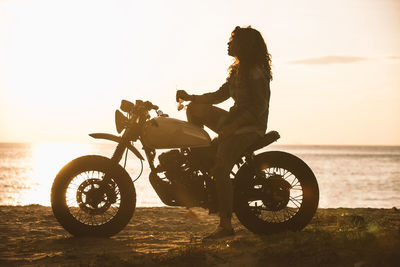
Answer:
(66, 65)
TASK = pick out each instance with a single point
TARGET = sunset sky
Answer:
(65, 65)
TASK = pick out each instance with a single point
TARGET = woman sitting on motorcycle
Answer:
(246, 121)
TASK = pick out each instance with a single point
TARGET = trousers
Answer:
(229, 151)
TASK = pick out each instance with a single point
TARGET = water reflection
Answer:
(347, 176)
(46, 160)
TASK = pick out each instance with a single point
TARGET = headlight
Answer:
(127, 106)
(120, 121)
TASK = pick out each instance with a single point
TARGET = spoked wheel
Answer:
(86, 204)
(278, 192)
(89, 203)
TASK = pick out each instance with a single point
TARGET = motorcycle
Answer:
(93, 195)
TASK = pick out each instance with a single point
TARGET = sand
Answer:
(165, 236)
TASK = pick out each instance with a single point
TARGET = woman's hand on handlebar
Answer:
(181, 94)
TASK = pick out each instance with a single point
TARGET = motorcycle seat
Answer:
(264, 141)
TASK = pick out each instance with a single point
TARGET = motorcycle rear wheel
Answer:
(82, 208)
(279, 193)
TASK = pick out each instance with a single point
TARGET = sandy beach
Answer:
(164, 236)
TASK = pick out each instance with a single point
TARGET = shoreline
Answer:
(166, 236)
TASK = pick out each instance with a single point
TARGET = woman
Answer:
(246, 121)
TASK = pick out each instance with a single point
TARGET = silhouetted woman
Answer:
(246, 121)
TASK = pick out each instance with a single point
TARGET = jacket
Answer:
(251, 95)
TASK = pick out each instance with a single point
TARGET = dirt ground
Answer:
(164, 236)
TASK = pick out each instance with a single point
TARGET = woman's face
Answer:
(233, 46)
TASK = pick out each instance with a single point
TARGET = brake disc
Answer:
(276, 193)
(92, 198)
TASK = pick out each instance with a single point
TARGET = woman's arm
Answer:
(216, 97)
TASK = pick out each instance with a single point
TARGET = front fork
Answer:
(107, 186)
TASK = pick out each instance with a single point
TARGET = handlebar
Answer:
(150, 105)
(128, 106)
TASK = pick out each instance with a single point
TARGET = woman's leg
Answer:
(205, 115)
(229, 151)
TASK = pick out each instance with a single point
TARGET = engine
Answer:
(184, 185)
(173, 163)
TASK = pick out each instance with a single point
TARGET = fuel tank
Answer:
(162, 132)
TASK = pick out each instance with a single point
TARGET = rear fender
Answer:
(117, 139)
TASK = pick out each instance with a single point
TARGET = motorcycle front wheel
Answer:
(276, 192)
(85, 205)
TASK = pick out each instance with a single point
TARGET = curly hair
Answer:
(252, 51)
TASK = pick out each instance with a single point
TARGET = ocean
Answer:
(348, 176)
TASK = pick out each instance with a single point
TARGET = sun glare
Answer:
(48, 159)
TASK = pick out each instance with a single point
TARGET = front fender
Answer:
(117, 139)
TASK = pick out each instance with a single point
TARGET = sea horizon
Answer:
(274, 144)
(349, 176)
